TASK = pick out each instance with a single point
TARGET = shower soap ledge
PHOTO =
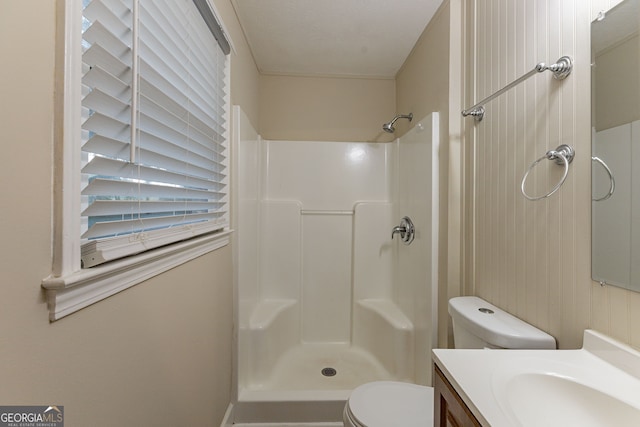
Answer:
(267, 310)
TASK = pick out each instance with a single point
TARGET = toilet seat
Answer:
(390, 403)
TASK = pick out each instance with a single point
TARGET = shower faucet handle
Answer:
(398, 229)
(405, 229)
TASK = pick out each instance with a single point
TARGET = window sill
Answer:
(70, 293)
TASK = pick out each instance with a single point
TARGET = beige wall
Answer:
(424, 85)
(533, 258)
(157, 354)
(325, 108)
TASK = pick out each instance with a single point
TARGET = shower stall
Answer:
(326, 300)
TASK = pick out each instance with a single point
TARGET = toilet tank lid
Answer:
(496, 326)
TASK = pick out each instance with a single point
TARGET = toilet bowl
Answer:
(389, 403)
(476, 324)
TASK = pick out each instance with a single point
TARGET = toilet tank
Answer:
(478, 324)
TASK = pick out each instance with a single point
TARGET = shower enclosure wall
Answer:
(326, 300)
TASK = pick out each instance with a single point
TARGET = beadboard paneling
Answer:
(533, 258)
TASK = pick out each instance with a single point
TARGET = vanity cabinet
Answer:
(449, 409)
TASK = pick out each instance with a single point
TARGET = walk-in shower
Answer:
(326, 300)
(388, 127)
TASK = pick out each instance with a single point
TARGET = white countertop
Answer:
(482, 378)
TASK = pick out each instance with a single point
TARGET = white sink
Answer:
(542, 393)
(598, 385)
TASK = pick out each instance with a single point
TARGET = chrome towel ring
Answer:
(612, 185)
(563, 155)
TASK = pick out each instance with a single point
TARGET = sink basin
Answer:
(597, 385)
(546, 399)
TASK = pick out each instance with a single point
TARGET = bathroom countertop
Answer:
(482, 377)
(471, 372)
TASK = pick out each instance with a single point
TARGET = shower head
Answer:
(388, 127)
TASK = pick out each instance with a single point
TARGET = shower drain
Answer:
(329, 372)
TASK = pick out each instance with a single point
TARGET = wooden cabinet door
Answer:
(449, 409)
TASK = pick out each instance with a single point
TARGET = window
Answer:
(143, 145)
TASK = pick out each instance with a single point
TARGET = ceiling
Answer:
(359, 38)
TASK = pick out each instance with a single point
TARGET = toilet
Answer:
(476, 324)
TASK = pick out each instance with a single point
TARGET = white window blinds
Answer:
(154, 148)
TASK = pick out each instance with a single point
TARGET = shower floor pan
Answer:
(301, 387)
(312, 366)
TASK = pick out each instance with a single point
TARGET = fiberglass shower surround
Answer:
(327, 301)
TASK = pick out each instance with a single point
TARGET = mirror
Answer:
(615, 166)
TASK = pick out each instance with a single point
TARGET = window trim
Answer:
(70, 288)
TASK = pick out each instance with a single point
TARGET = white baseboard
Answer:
(227, 421)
